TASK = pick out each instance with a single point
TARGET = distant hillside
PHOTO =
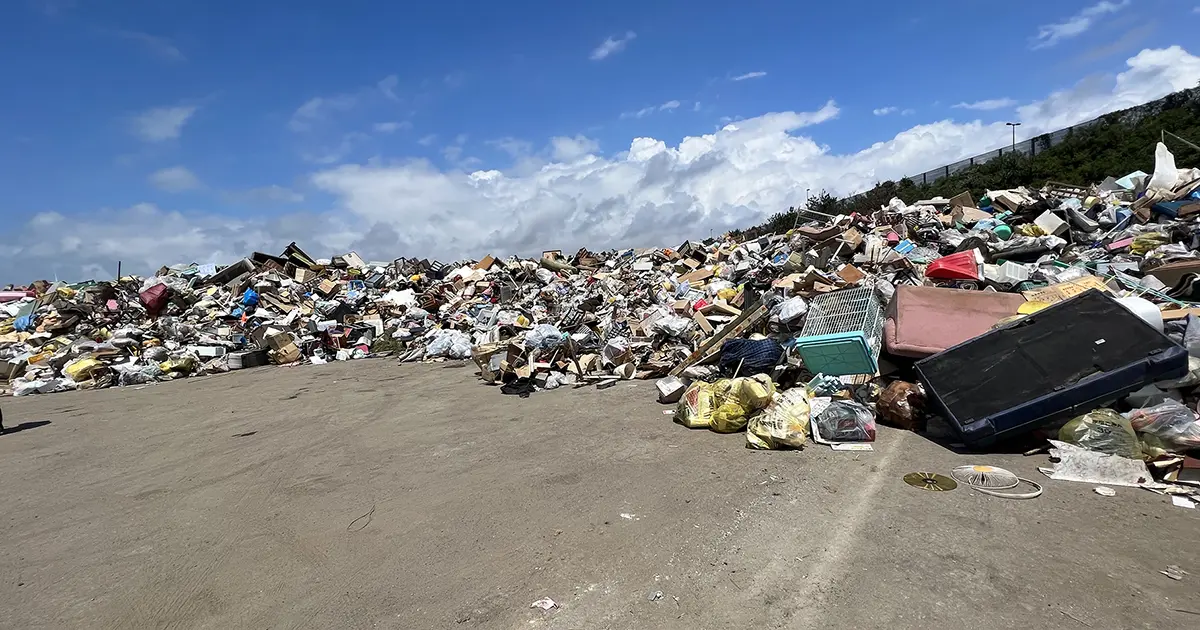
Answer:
(1116, 144)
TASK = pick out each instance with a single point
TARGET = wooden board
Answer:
(743, 322)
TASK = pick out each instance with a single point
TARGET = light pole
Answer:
(1014, 126)
(796, 219)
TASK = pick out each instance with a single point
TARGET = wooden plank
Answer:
(743, 322)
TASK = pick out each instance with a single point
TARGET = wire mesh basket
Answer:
(843, 333)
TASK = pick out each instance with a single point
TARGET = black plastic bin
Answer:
(1055, 364)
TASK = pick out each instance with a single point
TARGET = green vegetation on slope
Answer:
(1117, 144)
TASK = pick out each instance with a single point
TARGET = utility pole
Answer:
(1014, 126)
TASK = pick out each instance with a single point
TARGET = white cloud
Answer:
(651, 193)
(453, 152)
(317, 109)
(641, 113)
(696, 106)
(515, 147)
(427, 140)
(1076, 25)
(646, 111)
(612, 46)
(391, 127)
(749, 75)
(884, 111)
(988, 105)
(1152, 73)
(175, 179)
(387, 85)
(567, 149)
(162, 123)
(334, 153)
(907, 112)
(145, 237)
(160, 46)
(265, 195)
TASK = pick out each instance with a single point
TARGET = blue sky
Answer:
(183, 130)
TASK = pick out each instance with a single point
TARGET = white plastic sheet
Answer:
(1165, 174)
(453, 344)
(792, 309)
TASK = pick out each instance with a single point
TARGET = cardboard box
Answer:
(279, 339)
(851, 274)
(696, 277)
(327, 287)
(1056, 293)
(852, 238)
(288, 353)
(1171, 273)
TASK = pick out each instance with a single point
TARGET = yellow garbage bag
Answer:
(695, 407)
(783, 424)
(82, 369)
(185, 364)
(725, 405)
(738, 399)
(1030, 229)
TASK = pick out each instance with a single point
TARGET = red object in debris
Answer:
(154, 299)
(893, 238)
(960, 266)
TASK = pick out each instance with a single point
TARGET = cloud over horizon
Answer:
(649, 193)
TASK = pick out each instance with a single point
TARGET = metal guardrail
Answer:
(1031, 147)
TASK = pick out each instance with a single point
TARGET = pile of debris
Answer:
(1002, 315)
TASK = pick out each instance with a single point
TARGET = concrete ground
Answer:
(371, 495)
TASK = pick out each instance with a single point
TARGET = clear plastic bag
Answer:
(1170, 421)
(823, 385)
(453, 344)
(847, 421)
(1103, 431)
(901, 405)
(792, 309)
(616, 351)
(543, 336)
(673, 325)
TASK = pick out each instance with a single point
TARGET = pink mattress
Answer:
(922, 321)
